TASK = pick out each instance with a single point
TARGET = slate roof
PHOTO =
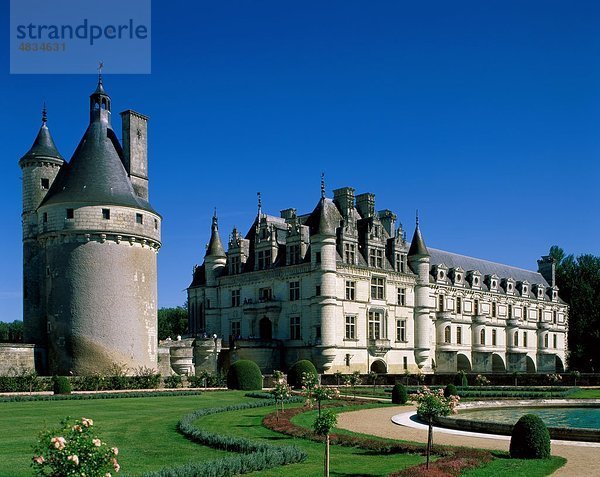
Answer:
(215, 246)
(454, 260)
(42, 147)
(324, 219)
(417, 245)
(95, 174)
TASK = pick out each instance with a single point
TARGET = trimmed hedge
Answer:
(82, 397)
(294, 377)
(61, 385)
(530, 438)
(245, 375)
(450, 390)
(255, 456)
(399, 394)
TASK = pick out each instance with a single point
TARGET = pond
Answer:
(566, 417)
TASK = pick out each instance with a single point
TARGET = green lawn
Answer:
(585, 394)
(505, 466)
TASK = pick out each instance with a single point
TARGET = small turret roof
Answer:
(324, 219)
(215, 246)
(43, 146)
(417, 245)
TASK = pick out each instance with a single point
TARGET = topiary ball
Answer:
(245, 375)
(450, 390)
(294, 377)
(530, 438)
(61, 385)
(399, 394)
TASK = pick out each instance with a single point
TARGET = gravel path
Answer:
(582, 460)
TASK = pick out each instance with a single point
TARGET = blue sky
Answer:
(483, 115)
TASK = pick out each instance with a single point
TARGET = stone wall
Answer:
(16, 358)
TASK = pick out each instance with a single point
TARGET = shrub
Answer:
(399, 394)
(244, 374)
(61, 385)
(174, 381)
(530, 438)
(461, 379)
(295, 373)
(450, 390)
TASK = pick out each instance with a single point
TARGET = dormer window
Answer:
(524, 289)
(264, 259)
(45, 183)
(350, 253)
(293, 254)
(70, 213)
(376, 258)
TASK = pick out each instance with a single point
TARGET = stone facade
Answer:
(90, 241)
(342, 287)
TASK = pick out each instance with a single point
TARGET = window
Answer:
(376, 258)
(459, 335)
(525, 312)
(482, 337)
(375, 325)
(236, 329)
(318, 332)
(318, 290)
(235, 265)
(525, 339)
(546, 340)
(139, 219)
(70, 213)
(350, 253)
(441, 303)
(401, 330)
(45, 183)
(294, 254)
(555, 341)
(294, 291)
(541, 315)
(45, 217)
(524, 290)
(493, 309)
(402, 296)
(295, 328)
(350, 327)
(400, 262)
(494, 337)
(554, 317)
(377, 288)
(155, 224)
(350, 290)
(447, 334)
(318, 257)
(458, 304)
(476, 307)
(265, 294)
(516, 338)
(404, 363)
(106, 214)
(510, 312)
(235, 297)
(264, 259)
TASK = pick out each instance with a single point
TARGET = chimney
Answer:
(344, 199)
(365, 203)
(547, 268)
(135, 150)
(388, 220)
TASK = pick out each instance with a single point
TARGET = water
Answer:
(579, 417)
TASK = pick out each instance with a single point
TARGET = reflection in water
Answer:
(553, 417)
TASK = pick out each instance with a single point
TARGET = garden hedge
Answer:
(245, 375)
(399, 394)
(61, 385)
(450, 390)
(530, 438)
(294, 377)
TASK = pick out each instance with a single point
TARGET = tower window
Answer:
(70, 213)
(155, 224)
(318, 257)
(139, 219)
(45, 217)
(45, 183)
(106, 214)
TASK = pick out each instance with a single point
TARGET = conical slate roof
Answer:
(324, 219)
(417, 245)
(43, 147)
(215, 246)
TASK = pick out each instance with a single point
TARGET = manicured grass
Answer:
(144, 429)
(502, 465)
(345, 461)
(585, 394)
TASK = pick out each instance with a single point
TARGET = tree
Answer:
(172, 322)
(281, 392)
(322, 426)
(432, 404)
(578, 280)
(11, 332)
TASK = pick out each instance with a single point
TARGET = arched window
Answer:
(482, 336)
(447, 337)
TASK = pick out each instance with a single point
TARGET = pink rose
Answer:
(39, 459)
(74, 458)
(97, 442)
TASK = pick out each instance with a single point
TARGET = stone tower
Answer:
(91, 240)
(418, 259)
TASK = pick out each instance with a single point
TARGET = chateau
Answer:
(90, 244)
(342, 287)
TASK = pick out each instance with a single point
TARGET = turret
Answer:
(418, 259)
(215, 258)
(39, 166)
(100, 104)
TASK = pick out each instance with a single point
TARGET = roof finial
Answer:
(100, 66)
(417, 217)
(259, 205)
(215, 220)
(322, 185)
(44, 114)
